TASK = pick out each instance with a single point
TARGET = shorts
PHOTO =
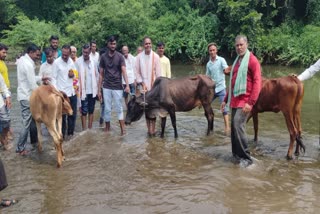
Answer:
(221, 94)
(87, 105)
(4, 118)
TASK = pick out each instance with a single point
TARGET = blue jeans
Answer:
(108, 96)
(221, 95)
(87, 105)
(28, 125)
(132, 90)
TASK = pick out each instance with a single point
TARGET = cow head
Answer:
(66, 106)
(135, 109)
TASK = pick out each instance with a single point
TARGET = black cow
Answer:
(170, 96)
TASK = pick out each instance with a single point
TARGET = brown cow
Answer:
(172, 95)
(47, 106)
(282, 94)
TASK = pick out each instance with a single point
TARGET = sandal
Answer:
(7, 202)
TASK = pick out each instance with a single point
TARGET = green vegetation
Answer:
(279, 31)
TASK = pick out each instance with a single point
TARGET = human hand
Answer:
(71, 73)
(223, 106)
(8, 102)
(247, 108)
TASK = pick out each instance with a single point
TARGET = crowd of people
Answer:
(110, 76)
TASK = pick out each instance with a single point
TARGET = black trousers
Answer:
(69, 121)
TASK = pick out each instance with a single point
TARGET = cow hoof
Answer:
(289, 157)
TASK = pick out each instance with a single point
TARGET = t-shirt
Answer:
(112, 70)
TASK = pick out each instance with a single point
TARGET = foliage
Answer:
(127, 19)
(279, 31)
(28, 31)
(190, 33)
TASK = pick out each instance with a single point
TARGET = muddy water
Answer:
(191, 174)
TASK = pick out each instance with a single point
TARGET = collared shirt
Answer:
(95, 57)
(112, 66)
(130, 68)
(254, 83)
(214, 70)
(88, 77)
(46, 70)
(165, 67)
(4, 73)
(309, 72)
(44, 57)
(27, 79)
(60, 77)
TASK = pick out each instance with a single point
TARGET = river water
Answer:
(192, 174)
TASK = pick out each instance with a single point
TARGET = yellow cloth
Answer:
(75, 82)
(4, 73)
(165, 67)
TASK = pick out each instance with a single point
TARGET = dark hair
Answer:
(53, 37)
(32, 48)
(93, 42)
(112, 38)
(160, 44)
(86, 46)
(3, 46)
(66, 47)
(102, 51)
(47, 51)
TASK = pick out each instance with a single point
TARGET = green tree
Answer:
(28, 31)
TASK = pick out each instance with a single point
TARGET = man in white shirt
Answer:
(46, 67)
(27, 82)
(63, 74)
(130, 67)
(94, 55)
(88, 78)
(147, 70)
(309, 72)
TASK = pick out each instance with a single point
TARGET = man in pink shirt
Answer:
(244, 89)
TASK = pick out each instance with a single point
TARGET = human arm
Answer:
(309, 72)
(5, 92)
(125, 77)
(255, 73)
(169, 69)
(101, 75)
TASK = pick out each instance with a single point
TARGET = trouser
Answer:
(3, 177)
(69, 121)
(239, 138)
(108, 96)
(28, 125)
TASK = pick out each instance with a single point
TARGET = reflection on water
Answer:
(192, 174)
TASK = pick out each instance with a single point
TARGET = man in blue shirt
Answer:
(215, 70)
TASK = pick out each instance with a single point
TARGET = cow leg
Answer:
(38, 124)
(208, 112)
(57, 142)
(255, 126)
(173, 122)
(163, 125)
(59, 133)
(292, 132)
(297, 120)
